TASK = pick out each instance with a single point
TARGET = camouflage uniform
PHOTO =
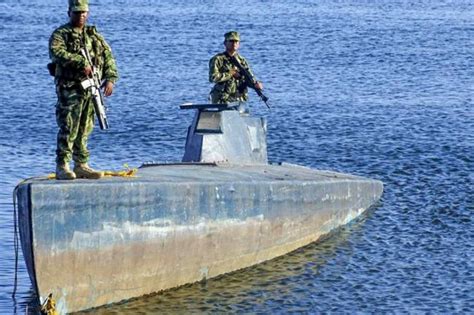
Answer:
(227, 89)
(74, 108)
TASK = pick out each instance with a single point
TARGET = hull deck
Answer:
(91, 243)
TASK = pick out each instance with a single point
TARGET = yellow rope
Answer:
(127, 172)
(49, 306)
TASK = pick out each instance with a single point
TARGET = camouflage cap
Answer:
(232, 36)
(78, 5)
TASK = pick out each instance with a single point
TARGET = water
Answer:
(382, 89)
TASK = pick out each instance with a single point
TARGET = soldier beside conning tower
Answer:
(226, 70)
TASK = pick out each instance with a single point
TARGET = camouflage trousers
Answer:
(75, 119)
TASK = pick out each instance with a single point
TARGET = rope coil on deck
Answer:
(127, 172)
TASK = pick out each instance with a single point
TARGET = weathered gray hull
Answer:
(91, 243)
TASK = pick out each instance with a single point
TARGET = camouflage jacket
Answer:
(65, 47)
(227, 88)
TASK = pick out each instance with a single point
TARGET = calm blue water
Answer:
(382, 89)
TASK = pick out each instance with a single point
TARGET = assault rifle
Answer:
(249, 78)
(94, 84)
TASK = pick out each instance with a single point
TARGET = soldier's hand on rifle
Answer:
(259, 85)
(87, 70)
(108, 88)
(235, 73)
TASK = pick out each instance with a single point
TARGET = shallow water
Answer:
(383, 90)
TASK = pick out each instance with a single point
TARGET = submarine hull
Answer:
(95, 242)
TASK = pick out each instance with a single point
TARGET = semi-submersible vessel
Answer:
(224, 207)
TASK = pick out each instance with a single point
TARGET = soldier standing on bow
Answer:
(74, 108)
(230, 85)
